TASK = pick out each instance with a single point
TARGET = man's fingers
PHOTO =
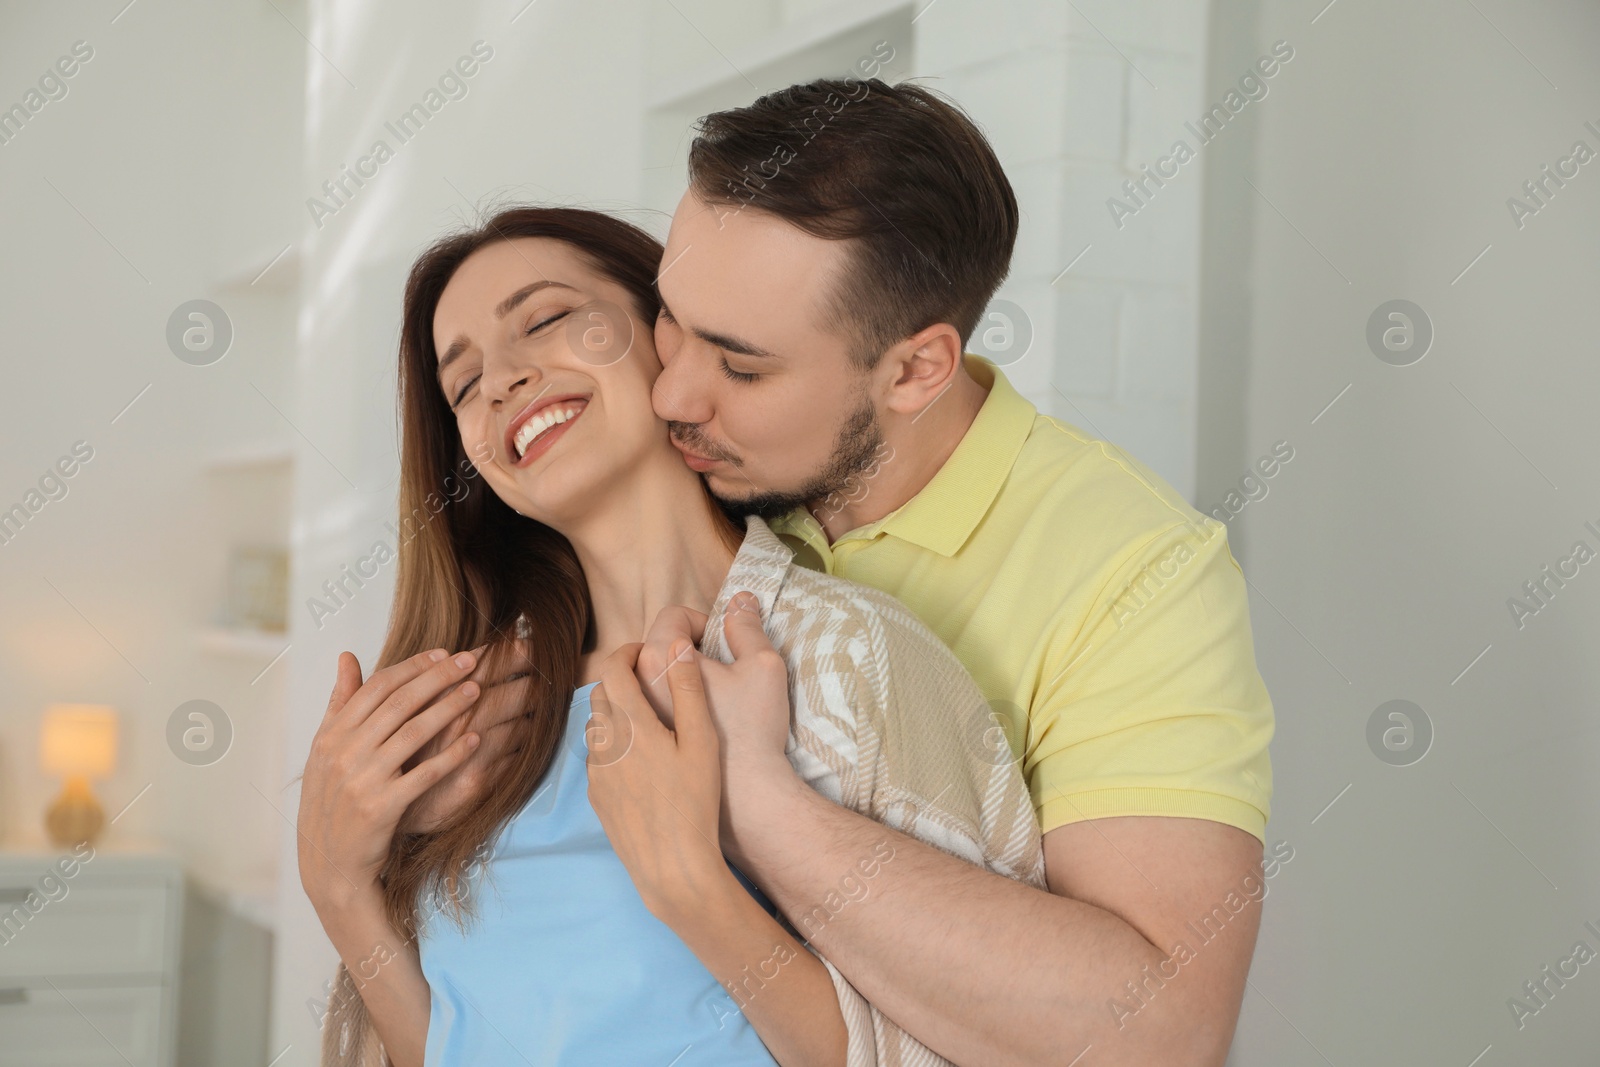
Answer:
(741, 627)
(501, 703)
(431, 771)
(507, 667)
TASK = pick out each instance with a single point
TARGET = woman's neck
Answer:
(653, 544)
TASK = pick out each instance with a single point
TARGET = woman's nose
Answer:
(502, 383)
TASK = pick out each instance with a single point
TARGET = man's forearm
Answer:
(978, 967)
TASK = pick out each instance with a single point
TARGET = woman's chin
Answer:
(559, 498)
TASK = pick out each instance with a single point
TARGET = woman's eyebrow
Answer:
(509, 304)
(504, 308)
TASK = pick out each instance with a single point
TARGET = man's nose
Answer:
(681, 393)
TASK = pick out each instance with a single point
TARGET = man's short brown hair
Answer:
(897, 170)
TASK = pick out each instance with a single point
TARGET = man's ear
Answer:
(920, 368)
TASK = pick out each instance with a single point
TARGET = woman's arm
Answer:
(352, 796)
(782, 988)
(671, 851)
(386, 973)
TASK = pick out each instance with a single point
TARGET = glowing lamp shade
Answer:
(78, 742)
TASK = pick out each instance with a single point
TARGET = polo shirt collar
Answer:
(944, 513)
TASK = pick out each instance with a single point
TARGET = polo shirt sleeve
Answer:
(1155, 705)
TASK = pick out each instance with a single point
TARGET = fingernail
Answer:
(437, 654)
(679, 648)
(745, 601)
(472, 740)
(464, 660)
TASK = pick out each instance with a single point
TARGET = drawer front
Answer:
(40, 1027)
(96, 929)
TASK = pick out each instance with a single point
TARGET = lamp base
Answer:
(76, 816)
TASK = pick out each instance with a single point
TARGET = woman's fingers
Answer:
(417, 693)
(346, 683)
(414, 733)
(619, 715)
(385, 683)
(691, 718)
(602, 737)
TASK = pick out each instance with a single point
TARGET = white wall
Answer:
(1383, 556)
(160, 175)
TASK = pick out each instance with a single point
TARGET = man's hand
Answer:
(748, 699)
(493, 718)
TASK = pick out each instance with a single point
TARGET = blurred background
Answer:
(1379, 261)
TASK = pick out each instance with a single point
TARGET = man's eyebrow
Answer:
(732, 344)
(505, 307)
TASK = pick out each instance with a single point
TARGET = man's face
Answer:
(758, 388)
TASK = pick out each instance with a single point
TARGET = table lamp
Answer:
(78, 742)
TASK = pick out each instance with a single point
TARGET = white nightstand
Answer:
(89, 961)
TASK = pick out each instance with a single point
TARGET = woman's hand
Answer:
(496, 717)
(656, 790)
(748, 700)
(353, 792)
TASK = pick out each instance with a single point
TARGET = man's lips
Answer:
(694, 460)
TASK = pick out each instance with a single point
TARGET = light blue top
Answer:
(561, 962)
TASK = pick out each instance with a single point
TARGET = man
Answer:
(838, 243)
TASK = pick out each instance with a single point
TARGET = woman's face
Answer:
(549, 371)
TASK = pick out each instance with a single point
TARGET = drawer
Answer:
(96, 929)
(78, 1027)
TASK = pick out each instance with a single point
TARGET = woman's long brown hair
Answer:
(476, 567)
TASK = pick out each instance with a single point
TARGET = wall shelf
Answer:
(259, 454)
(238, 641)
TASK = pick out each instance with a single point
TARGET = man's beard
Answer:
(859, 440)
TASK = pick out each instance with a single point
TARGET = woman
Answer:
(526, 359)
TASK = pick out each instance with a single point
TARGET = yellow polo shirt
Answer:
(1104, 618)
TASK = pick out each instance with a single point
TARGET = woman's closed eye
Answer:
(539, 323)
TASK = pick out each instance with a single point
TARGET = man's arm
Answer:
(986, 970)
(978, 967)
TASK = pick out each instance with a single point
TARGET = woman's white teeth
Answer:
(552, 416)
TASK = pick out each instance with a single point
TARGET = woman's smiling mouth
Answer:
(532, 433)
